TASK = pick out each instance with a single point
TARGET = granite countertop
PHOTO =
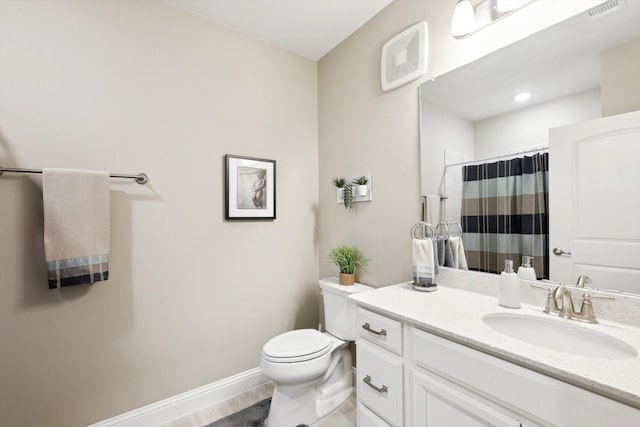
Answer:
(457, 314)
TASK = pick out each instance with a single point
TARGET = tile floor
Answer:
(345, 416)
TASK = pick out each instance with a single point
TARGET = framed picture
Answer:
(250, 188)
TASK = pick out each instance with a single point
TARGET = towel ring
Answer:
(423, 227)
(442, 230)
(457, 224)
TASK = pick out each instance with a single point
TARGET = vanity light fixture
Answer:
(464, 19)
(522, 97)
(509, 5)
(470, 16)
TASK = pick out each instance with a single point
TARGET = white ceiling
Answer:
(310, 28)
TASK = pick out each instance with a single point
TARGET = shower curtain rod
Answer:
(443, 195)
(531, 150)
(140, 178)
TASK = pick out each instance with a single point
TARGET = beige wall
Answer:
(129, 86)
(620, 82)
(363, 130)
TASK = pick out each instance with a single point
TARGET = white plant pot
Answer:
(362, 190)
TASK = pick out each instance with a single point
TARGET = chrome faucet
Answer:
(583, 279)
(552, 305)
(565, 308)
(559, 301)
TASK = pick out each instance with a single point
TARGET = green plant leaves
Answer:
(347, 258)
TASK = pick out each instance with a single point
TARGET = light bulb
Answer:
(463, 20)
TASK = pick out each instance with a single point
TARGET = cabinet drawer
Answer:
(380, 382)
(380, 329)
(366, 418)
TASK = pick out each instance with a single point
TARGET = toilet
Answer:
(311, 370)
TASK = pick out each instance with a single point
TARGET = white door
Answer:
(594, 202)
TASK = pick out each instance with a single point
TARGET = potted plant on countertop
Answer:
(347, 258)
(361, 183)
(345, 192)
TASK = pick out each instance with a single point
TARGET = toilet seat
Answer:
(297, 346)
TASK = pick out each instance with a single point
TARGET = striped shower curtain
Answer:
(505, 213)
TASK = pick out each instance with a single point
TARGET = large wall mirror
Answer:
(488, 159)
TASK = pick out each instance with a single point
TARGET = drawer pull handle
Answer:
(367, 327)
(367, 381)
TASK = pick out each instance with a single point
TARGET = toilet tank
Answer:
(339, 310)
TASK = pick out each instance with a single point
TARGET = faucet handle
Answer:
(600, 297)
(550, 298)
(586, 310)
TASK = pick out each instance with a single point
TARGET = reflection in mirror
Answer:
(486, 149)
(470, 16)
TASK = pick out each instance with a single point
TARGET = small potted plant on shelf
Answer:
(361, 183)
(347, 258)
(345, 192)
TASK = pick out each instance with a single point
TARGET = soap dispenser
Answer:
(526, 271)
(509, 295)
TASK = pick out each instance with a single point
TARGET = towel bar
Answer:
(140, 178)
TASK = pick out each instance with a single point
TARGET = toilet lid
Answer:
(297, 346)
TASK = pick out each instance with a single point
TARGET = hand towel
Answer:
(455, 245)
(423, 268)
(440, 243)
(76, 226)
(457, 250)
(432, 209)
(436, 268)
(448, 254)
(462, 257)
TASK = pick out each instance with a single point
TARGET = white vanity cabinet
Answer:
(417, 379)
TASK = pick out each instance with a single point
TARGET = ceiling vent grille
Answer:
(607, 7)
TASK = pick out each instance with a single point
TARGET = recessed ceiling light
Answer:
(522, 97)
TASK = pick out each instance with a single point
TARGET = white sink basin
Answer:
(560, 335)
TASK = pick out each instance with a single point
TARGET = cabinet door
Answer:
(438, 403)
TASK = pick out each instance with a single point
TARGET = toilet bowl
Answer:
(312, 369)
(309, 385)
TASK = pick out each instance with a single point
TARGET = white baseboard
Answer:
(185, 403)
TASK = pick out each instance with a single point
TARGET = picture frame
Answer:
(250, 188)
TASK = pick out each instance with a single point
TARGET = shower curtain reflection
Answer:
(505, 213)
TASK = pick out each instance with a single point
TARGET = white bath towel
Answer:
(423, 261)
(76, 226)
